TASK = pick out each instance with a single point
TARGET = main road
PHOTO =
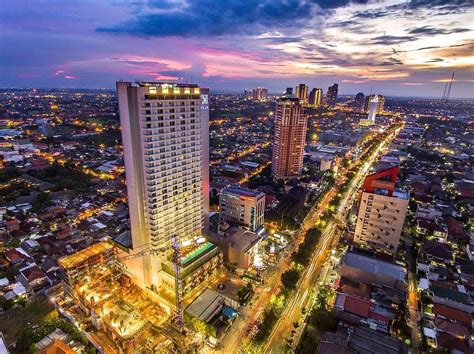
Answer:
(301, 297)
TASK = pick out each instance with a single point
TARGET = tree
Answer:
(290, 278)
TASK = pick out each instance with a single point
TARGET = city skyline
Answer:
(393, 48)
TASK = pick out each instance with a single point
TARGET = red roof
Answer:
(33, 273)
(447, 341)
(385, 179)
(452, 314)
(357, 306)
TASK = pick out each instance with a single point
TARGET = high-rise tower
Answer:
(315, 97)
(359, 102)
(302, 93)
(331, 97)
(165, 133)
(289, 139)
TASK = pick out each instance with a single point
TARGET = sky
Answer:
(396, 48)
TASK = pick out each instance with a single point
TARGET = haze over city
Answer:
(398, 48)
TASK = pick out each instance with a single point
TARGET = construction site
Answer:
(121, 317)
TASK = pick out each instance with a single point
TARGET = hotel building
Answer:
(165, 133)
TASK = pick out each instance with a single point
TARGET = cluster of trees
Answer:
(63, 177)
(270, 317)
(306, 249)
(320, 320)
(28, 336)
(9, 173)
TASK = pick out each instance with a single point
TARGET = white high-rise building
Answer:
(373, 106)
(165, 133)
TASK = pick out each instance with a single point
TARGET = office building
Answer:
(315, 97)
(289, 138)
(359, 102)
(242, 206)
(302, 93)
(248, 94)
(331, 97)
(380, 103)
(382, 212)
(289, 91)
(165, 133)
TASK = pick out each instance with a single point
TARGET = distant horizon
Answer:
(390, 47)
(224, 91)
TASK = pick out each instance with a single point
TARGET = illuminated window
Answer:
(187, 90)
(196, 90)
(176, 90)
(152, 89)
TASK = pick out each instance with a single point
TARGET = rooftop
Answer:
(374, 265)
(88, 252)
(244, 192)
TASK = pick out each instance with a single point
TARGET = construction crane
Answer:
(177, 265)
(447, 88)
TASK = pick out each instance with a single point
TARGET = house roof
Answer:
(449, 342)
(437, 249)
(374, 265)
(357, 306)
(449, 294)
(452, 313)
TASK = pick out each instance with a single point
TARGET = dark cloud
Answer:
(281, 40)
(434, 31)
(216, 18)
(446, 4)
(388, 39)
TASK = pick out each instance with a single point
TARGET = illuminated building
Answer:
(257, 94)
(359, 102)
(165, 133)
(315, 97)
(302, 93)
(382, 212)
(242, 206)
(289, 138)
(331, 97)
(380, 103)
(374, 102)
(372, 112)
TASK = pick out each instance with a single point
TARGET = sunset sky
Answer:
(388, 47)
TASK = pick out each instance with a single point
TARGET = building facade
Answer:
(331, 97)
(380, 103)
(302, 93)
(242, 206)
(165, 133)
(315, 97)
(359, 102)
(382, 212)
(289, 138)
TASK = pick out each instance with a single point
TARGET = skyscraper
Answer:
(380, 104)
(165, 133)
(289, 91)
(289, 138)
(382, 212)
(331, 97)
(373, 104)
(302, 93)
(359, 102)
(315, 97)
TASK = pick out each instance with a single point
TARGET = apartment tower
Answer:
(289, 138)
